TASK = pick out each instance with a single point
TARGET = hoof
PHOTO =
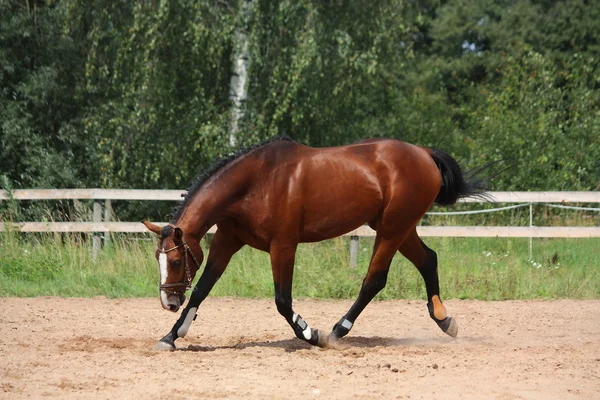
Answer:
(322, 339)
(334, 341)
(452, 328)
(449, 326)
(332, 338)
(318, 338)
(164, 346)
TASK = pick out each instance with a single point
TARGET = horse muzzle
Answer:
(171, 302)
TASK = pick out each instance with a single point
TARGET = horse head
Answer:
(178, 262)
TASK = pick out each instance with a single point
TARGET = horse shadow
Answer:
(361, 342)
(289, 345)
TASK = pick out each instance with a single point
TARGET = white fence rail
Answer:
(104, 196)
(363, 231)
(174, 195)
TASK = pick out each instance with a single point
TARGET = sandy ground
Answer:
(242, 349)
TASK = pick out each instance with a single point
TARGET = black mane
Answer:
(219, 164)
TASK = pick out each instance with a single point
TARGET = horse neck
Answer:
(212, 200)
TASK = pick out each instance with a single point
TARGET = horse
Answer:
(280, 193)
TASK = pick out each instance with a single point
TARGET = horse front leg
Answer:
(282, 264)
(223, 247)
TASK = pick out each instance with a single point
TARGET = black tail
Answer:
(456, 184)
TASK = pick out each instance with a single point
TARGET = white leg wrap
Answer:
(189, 318)
(307, 333)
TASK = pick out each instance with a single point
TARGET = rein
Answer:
(180, 287)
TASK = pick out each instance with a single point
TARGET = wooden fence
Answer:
(102, 205)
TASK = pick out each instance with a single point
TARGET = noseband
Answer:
(180, 287)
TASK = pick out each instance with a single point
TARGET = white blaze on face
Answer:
(162, 264)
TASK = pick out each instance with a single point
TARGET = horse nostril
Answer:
(172, 307)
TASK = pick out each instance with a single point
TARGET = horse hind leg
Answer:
(373, 283)
(425, 260)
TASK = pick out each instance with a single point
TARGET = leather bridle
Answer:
(179, 288)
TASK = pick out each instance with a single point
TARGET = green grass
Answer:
(469, 268)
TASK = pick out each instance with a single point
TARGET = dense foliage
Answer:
(136, 94)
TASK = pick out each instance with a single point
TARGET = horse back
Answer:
(325, 192)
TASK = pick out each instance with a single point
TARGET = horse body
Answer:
(316, 194)
(284, 193)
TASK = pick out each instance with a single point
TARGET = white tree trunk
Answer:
(238, 91)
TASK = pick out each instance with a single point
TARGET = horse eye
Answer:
(176, 263)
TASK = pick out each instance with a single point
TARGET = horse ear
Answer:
(178, 234)
(152, 227)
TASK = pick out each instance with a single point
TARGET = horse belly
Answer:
(335, 212)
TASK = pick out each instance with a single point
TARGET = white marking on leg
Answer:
(295, 318)
(189, 318)
(347, 324)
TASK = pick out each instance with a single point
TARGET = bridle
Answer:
(179, 288)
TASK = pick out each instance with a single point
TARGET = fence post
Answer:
(353, 251)
(531, 226)
(107, 217)
(96, 238)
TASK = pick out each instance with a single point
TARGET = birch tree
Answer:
(239, 80)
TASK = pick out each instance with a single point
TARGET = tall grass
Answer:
(469, 268)
(62, 265)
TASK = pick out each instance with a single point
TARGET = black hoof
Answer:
(166, 344)
(318, 338)
(448, 325)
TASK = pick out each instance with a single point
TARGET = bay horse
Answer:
(280, 193)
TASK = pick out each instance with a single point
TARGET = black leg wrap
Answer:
(338, 330)
(300, 327)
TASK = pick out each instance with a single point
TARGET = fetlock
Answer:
(342, 328)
